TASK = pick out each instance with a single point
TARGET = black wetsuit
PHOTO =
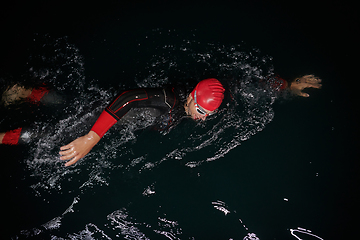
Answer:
(161, 105)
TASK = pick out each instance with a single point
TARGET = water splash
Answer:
(150, 190)
(53, 224)
(248, 107)
(169, 229)
(91, 232)
(303, 231)
(246, 111)
(251, 236)
(120, 220)
(222, 206)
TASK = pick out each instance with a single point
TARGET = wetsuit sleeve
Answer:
(279, 83)
(117, 109)
(37, 94)
(12, 137)
(103, 124)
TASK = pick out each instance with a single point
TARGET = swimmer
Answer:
(203, 101)
(167, 107)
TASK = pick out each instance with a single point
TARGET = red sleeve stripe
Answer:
(37, 94)
(126, 103)
(12, 137)
(103, 124)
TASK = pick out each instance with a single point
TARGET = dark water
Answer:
(260, 169)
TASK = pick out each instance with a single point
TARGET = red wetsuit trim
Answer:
(103, 124)
(109, 108)
(12, 137)
(281, 84)
(37, 94)
(137, 98)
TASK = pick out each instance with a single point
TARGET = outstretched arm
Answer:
(17, 93)
(81, 146)
(307, 81)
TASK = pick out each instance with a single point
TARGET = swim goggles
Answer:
(200, 110)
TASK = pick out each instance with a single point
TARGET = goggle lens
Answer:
(199, 110)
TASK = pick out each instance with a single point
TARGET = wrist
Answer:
(289, 86)
(93, 136)
(286, 85)
(103, 124)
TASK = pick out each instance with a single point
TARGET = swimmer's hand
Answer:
(307, 81)
(78, 148)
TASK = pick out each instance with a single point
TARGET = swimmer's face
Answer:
(195, 111)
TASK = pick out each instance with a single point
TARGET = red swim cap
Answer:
(209, 94)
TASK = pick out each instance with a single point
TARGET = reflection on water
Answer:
(305, 232)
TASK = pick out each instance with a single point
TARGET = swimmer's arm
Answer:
(296, 86)
(306, 81)
(81, 146)
(78, 148)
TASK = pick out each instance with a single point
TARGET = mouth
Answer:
(197, 118)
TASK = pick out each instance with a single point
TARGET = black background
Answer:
(280, 28)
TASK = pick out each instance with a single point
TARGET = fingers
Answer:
(312, 85)
(66, 151)
(302, 94)
(316, 85)
(74, 160)
(68, 154)
(312, 79)
(308, 76)
(66, 146)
